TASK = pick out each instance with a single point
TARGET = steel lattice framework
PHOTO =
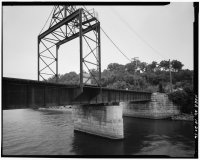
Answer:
(68, 23)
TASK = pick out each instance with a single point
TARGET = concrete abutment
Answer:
(159, 107)
(103, 120)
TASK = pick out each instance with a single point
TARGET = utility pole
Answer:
(170, 76)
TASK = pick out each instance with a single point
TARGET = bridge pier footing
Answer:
(159, 107)
(101, 120)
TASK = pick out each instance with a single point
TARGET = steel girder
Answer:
(23, 93)
(68, 23)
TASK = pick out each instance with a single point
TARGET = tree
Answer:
(183, 75)
(69, 78)
(132, 67)
(53, 79)
(143, 66)
(183, 98)
(164, 65)
(115, 67)
(107, 77)
(119, 85)
(152, 67)
(176, 65)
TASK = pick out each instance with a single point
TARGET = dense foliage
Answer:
(142, 76)
(70, 78)
(138, 75)
(184, 99)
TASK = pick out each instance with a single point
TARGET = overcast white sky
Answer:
(152, 33)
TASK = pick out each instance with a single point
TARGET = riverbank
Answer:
(183, 117)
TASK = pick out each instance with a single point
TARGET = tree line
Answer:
(137, 75)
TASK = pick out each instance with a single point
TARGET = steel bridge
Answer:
(67, 23)
(20, 93)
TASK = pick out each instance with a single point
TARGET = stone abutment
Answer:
(159, 107)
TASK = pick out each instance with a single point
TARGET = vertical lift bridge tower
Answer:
(68, 23)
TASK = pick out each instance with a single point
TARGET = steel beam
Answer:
(84, 31)
(81, 49)
(60, 24)
(16, 93)
(88, 21)
(99, 51)
(80, 26)
(57, 47)
(38, 43)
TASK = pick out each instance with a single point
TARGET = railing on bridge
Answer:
(21, 93)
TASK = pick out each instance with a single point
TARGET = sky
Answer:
(151, 33)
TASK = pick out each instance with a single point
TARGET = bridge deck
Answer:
(21, 93)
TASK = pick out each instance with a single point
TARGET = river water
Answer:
(44, 132)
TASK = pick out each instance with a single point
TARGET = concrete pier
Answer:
(159, 107)
(104, 120)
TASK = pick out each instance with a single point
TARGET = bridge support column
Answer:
(159, 107)
(105, 121)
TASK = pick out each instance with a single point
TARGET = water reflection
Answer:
(159, 137)
(86, 144)
(142, 137)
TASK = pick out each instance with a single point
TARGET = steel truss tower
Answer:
(68, 23)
